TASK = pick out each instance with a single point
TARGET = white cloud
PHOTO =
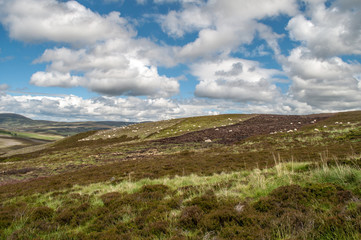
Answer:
(236, 79)
(320, 78)
(73, 108)
(69, 22)
(176, 24)
(110, 60)
(323, 83)
(329, 31)
(115, 67)
(56, 79)
(223, 26)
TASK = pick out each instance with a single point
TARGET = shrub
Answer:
(64, 216)
(158, 228)
(153, 192)
(206, 202)
(42, 213)
(219, 218)
(109, 199)
(190, 217)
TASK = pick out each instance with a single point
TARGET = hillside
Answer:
(230, 176)
(19, 132)
(16, 122)
(12, 117)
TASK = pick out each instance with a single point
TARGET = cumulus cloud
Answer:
(236, 79)
(102, 108)
(115, 67)
(329, 31)
(105, 54)
(55, 79)
(51, 20)
(176, 24)
(320, 77)
(223, 26)
(324, 83)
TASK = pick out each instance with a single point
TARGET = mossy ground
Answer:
(300, 185)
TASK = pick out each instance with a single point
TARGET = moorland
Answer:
(235, 176)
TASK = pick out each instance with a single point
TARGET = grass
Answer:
(209, 195)
(14, 142)
(340, 174)
(37, 136)
(171, 128)
(302, 185)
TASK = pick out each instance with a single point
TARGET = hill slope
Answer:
(250, 179)
(16, 122)
(18, 132)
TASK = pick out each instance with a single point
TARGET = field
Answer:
(216, 177)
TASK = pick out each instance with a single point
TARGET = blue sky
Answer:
(138, 60)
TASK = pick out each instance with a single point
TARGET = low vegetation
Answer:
(303, 184)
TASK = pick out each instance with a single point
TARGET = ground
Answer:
(221, 177)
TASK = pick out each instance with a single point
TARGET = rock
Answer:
(239, 208)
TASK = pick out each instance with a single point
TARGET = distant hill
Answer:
(16, 119)
(19, 123)
(12, 116)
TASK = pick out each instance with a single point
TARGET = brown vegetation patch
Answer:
(258, 125)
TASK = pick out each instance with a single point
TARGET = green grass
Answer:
(211, 195)
(37, 136)
(32, 135)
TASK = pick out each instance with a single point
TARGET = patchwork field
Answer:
(48, 130)
(18, 133)
(216, 177)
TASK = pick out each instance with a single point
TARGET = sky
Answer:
(148, 60)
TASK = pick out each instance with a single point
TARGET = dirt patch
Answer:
(258, 125)
(6, 142)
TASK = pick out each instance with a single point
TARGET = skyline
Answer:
(141, 60)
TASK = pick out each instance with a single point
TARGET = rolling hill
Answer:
(231, 176)
(18, 132)
(16, 122)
